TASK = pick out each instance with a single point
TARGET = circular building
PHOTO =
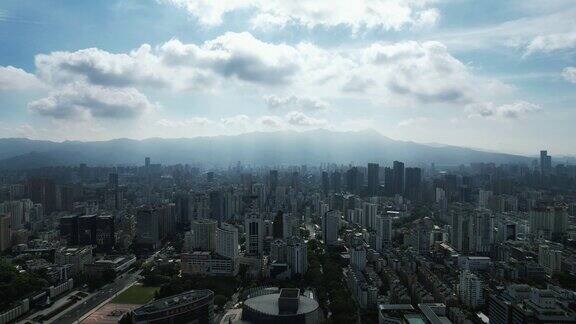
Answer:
(286, 307)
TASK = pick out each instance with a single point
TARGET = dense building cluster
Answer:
(408, 241)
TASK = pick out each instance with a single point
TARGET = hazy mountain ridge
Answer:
(310, 147)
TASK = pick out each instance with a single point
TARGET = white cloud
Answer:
(188, 122)
(393, 74)
(386, 14)
(515, 110)
(552, 42)
(81, 101)
(569, 74)
(277, 103)
(421, 72)
(297, 118)
(238, 55)
(12, 78)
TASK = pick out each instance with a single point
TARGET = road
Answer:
(105, 293)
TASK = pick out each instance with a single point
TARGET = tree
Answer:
(220, 300)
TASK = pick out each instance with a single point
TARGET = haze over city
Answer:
(287, 162)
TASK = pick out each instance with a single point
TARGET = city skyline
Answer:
(501, 79)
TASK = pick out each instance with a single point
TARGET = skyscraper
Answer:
(373, 179)
(545, 163)
(330, 227)
(413, 184)
(254, 227)
(470, 290)
(353, 180)
(388, 182)
(5, 232)
(336, 181)
(297, 256)
(227, 241)
(325, 183)
(369, 214)
(460, 227)
(203, 234)
(383, 232)
(398, 178)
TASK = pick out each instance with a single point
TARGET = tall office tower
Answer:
(297, 255)
(413, 184)
(254, 227)
(147, 163)
(484, 197)
(545, 163)
(43, 191)
(113, 180)
(481, 233)
(278, 225)
(398, 178)
(259, 190)
(278, 251)
(369, 215)
(358, 258)
(217, 205)
(470, 290)
(373, 179)
(353, 180)
(5, 232)
(203, 234)
(227, 241)
(336, 181)
(325, 183)
(460, 226)
(388, 182)
(548, 221)
(330, 227)
(184, 207)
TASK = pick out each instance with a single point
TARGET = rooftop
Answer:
(173, 301)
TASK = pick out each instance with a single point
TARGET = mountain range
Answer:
(258, 148)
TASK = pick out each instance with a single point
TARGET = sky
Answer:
(491, 74)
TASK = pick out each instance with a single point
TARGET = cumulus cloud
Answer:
(386, 14)
(422, 71)
(81, 101)
(399, 74)
(12, 78)
(509, 111)
(569, 74)
(277, 103)
(239, 55)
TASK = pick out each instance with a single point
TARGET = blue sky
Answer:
(498, 75)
